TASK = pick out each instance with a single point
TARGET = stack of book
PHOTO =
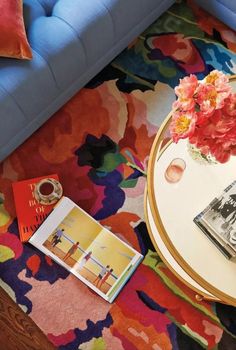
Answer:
(218, 221)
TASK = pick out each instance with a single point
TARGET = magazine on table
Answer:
(75, 240)
(218, 221)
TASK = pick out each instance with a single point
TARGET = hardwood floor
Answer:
(17, 330)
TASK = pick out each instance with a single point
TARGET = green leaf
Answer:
(112, 161)
(131, 183)
(4, 216)
(6, 253)
(94, 344)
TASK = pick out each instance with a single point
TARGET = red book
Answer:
(30, 213)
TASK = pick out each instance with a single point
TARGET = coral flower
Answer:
(205, 113)
(221, 154)
(208, 99)
(182, 125)
(230, 105)
(220, 81)
(185, 92)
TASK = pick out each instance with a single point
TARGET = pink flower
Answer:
(185, 92)
(202, 117)
(220, 81)
(182, 124)
(221, 154)
(233, 150)
(230, 105)
(223, 127)
(205, 112)
(230, 136)
(208, 99)
(187, 86)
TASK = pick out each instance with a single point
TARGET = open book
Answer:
(91, 252)
(218, 221)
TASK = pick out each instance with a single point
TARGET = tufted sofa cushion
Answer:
(71, 40)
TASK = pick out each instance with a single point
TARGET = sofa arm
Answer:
(225, 10)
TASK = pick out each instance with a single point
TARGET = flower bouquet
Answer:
(205, 113)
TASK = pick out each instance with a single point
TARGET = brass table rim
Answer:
(188, 284)
(155, 154)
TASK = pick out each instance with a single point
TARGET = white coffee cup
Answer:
(48, 191)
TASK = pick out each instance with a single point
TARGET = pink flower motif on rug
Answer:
(68, 300)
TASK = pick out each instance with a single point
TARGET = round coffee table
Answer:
(170, 209)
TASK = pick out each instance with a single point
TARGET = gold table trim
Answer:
(199, 292)
(156, 152)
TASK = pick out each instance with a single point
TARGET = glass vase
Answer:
(199, 157)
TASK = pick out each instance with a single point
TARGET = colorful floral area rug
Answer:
(99, 144)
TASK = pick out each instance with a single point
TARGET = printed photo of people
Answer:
(89, 250)
(221, 216)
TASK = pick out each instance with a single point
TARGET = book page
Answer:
(84, 247)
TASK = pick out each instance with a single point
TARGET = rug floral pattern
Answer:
(98, 144)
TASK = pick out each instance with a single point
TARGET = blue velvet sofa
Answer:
(225, 10)
(71, 41)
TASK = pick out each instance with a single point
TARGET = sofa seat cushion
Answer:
(126, 14)
(30, 84)
(71, 41)
(56, 42)
(78, 34)
(82, 32)
(14, 121)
